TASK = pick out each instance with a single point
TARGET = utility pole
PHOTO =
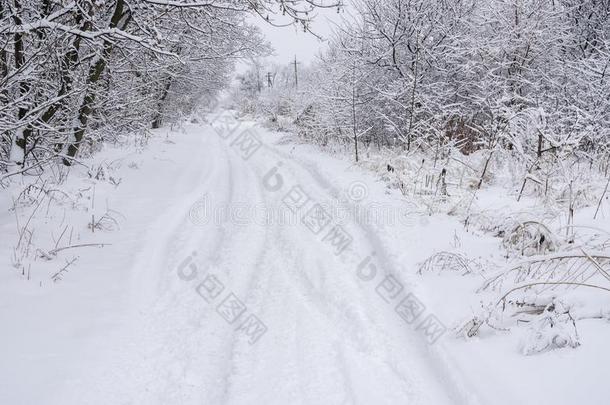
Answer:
(296, 73)
(269, 80)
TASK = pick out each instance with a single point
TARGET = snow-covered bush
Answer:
(529, 238)
(449, 262)
(554, 328)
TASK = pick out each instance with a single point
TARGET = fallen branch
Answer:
(552, 283)
(597, 265)
(55, 251)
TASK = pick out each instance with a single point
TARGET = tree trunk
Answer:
(159, 115)
(69, 61)
(95, 73)
(24, 87)
(413, 92)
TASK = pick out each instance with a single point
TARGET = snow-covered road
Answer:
(245, 273)
(223, 307)
(246, 268)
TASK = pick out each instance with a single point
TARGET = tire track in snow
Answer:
(456, 388)
(220, 257)
(140, 350)
(327, 322)
(359, 328)
(261, 276)
(247, 289)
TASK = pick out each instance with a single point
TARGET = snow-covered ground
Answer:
(237, 267)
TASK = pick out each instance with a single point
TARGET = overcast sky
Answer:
(292, 41)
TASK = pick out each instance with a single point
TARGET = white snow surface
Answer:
(123, 326)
